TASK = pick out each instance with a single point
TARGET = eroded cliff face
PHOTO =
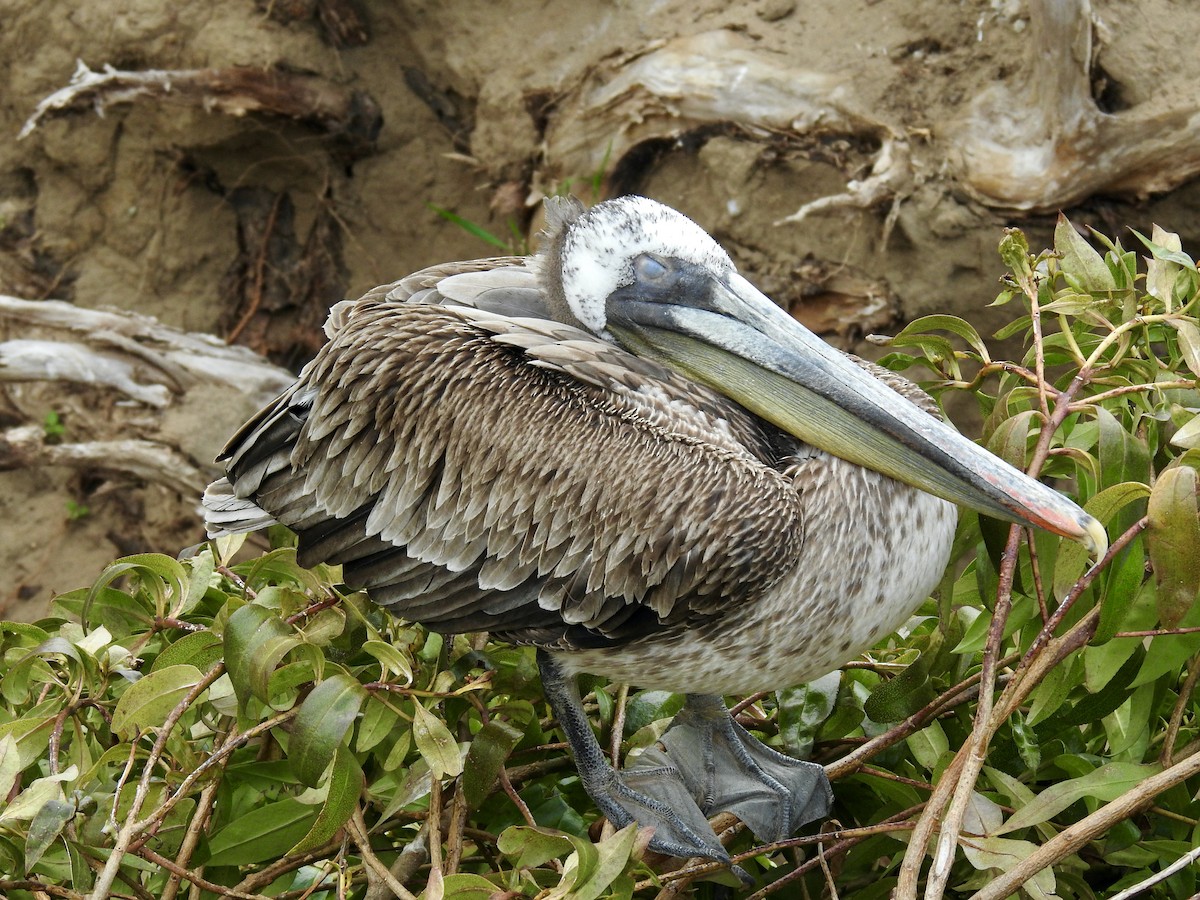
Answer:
(254, 163)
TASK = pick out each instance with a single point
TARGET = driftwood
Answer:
(138, 397)
(1037, 142)
(1041, 143)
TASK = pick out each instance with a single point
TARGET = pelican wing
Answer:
(477, 466)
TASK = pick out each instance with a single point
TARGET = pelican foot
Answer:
(727, 769)
(656, 797)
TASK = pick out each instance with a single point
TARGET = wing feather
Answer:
(474, 468)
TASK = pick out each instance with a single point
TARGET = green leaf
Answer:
(262, 834)
(532, 846)
(1189, 343)
(650, 706)
(612, 857)
(30, 801)
(344, 789)
(1080, 259)
(1012, 439)
(1072, 556)
(488, 754)
(1173, 541)
(435, 743)
(466, 886)
(45, 828)
(256, 639)
(391, 659)
(10, 764)
(31, 732)
(953, 324)
(203, 566)
(1105, 783)
(323, 720)
(928, 745)
(1188, 435)
(1003, 854)
(150, 699)
(378, 721)
(802, 709)
(1166, 249)
(201, 649)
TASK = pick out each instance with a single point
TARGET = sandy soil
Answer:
(250, 226)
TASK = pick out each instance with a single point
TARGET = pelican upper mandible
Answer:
(619, 451)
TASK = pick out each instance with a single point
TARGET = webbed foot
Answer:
(727, 769)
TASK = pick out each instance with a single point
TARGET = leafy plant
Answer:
(53, 428)
(252, 729)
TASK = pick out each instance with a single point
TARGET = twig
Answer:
(37, 887)
(362, 839)
(1094, 399)
(974, 753)
(191, 840)
(1181, 705)
(434, 823)
(1187, 859)
(220, 890)
(518, 802)
(131, 829)
(1070, 839)
(263, 877)
(235, 741)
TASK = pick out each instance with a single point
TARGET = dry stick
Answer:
(1085, 581)
(357, 826)
(618, 725)
(434, 823)
(103, 886)
(37, 887)
(234, 741)
(454, 833)
(1086, 829)
(1181, 705)
(263, 877)
(518, 802)
(220, 890)
(1157, 632)
(960, 693)
(1132, 389)
(191, 840)
(837, 849)
(975, 752)
(1036, 568)
(854, 835)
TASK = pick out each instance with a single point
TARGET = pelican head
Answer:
(647, 278)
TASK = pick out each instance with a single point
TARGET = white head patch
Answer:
(600, 247)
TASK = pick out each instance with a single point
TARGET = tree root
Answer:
(235, 91)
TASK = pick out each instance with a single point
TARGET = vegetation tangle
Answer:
(210, 728)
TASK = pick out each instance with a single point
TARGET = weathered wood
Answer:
(235, 91)
(142, 398)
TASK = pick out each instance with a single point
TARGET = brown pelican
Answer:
(619, 451)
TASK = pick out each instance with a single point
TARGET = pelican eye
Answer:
(649, 268)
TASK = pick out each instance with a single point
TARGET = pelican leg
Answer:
(653, 796)
(727, 769)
